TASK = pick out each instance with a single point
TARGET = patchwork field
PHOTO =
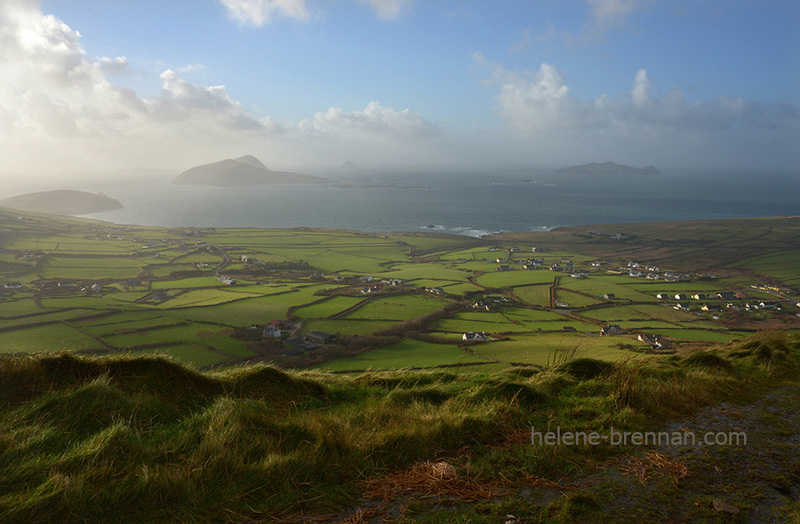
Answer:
(342, 300)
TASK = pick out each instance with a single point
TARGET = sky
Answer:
(106, 85)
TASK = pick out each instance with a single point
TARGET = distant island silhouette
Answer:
(242, 171)
(607, 168)
(62, 202)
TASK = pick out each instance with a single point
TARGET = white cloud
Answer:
(388, 8)
(541, 101)
(375, 119)
(640, 94)
(181, 100)
(523, 44)
(539, 107)
(55, 97)
(610, 13)
(603, 16)
(117, 65)
(261, 12)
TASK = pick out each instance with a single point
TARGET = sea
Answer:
(462, 203)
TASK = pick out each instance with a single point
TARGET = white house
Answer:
(474, 336)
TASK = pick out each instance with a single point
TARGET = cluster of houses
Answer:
(294, 346)
(683, 303)
(486, 303)
(612, 236)
(529, 264)
(369, 290)
(650, 272)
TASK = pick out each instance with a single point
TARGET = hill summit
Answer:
(243, 171)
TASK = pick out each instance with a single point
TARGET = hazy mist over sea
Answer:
(460, 203)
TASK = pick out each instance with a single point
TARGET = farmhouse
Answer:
(681, 296)
(613, 329)
(711, 307)
(475, 336)
(647, 339)
(699, 296)
(663, 296)
(271, 332)
(610, 296)
(320, 337)
(13, 285)
(656, 342)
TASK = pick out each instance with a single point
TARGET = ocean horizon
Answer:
(472, 204)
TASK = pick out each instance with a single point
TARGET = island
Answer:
(242, 171)
(62, 202)
(607, 168)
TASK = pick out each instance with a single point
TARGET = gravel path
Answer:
(739, 481)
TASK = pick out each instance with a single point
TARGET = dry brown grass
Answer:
(431, 479)
(642, 466)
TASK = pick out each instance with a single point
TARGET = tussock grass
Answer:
(146, 439)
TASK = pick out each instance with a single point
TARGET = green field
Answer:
(402, 307)
(406, 354)
(327, 307)
(311, 280)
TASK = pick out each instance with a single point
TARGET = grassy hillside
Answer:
(144, 439)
